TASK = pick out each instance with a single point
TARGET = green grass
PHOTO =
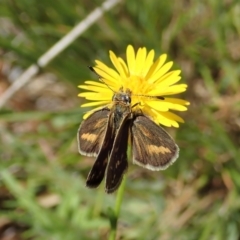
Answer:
(42, 176)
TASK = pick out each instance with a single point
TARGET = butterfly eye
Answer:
(127, 99)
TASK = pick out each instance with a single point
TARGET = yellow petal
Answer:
(94, 83)
(173, 116)
(104, 68)
(161, 71)
(168, 90)
(175, 89)
(164, 105)
(140, 61)
(117, 64)
(101, 65)
(156, 65)
(166, 121)
(160, 118)
(124, 66)
(177, 101)
(94, 88)
(157, 105)
(96, 96)
(110, 77)
(94, 103)
(131, 61)
(168, 79)
(148, 63)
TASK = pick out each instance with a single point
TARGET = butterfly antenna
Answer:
(100, 78)
(147, 96)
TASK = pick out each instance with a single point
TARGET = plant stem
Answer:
(114, 220)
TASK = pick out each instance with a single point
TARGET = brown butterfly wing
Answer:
(97, 172)
(118, 158)
(91, 133)
(152, 147)
(95, 139)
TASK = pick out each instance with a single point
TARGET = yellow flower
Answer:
(149, 82)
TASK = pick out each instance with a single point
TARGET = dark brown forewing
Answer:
(97, 172)
(152, 147)
(92, 132)
(118, 158)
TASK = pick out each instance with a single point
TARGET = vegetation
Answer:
(42, 176)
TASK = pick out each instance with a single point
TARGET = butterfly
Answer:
(105, 135)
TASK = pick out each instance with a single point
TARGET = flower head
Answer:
(150, 82)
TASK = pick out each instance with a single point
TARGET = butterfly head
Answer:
(122, 97)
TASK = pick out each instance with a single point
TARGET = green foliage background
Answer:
(42, 178)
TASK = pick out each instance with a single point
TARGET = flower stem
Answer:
(114, 219)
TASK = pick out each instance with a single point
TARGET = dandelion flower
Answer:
(151, 83)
